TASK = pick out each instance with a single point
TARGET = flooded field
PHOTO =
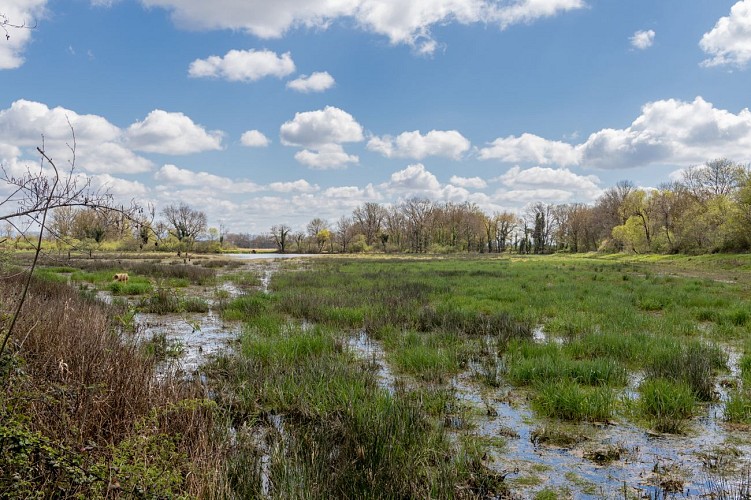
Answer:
(554, 379)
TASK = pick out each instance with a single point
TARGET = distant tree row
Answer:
(707, 210)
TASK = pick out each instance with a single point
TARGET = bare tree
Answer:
(186, 224)
(418, 212)
(280, 232)
(343, 232)
(369, 219)
(718, 177)
(318, 231)
(33, 194)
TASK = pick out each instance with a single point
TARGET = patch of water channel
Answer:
(197, 335)
(647, 463)
(372, 351)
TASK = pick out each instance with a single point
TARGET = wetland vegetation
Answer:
(395, 377)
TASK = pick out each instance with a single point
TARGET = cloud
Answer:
(254, 139)
(585, 187)
(317, 128)
(667, 132)
(401, 22)
(18, 13)
(529, 148)
(171, 133)
(449, 144)
(321, 133)
(119, 188)
(643, 39)
(671, 131)
(108, 157)
(25, 122)
(317, 82)
(171, 176)
(299, 186)
(350, 192)
(327, 156)
(98, 145)
(243, 66)
(415, 180)
(524, 196)
(729, 42)
(468, 182)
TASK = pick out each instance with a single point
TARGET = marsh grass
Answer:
(568, 400)
(667, 403)
(245, 307)
(738, 407)
(529, 364)
(132, 287)
(343, 435)
(692, 363)
(194, 305)
(95, 270)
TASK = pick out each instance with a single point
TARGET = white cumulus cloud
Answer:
(585, 187)
(316, 82)
(172, 176)
(643, 39)
(414, 180)
(402, 22)
(18, 13)
(171, 133)
(254, 139)
(316, 128)
(321, 133)
(729, 42)
(530, 148)
(446, 143)
(98, 145)
(671, 131)
(243, 66)
(327, 156)
(299, 186)
(468, 182)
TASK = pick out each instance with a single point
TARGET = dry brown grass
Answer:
(75, 379)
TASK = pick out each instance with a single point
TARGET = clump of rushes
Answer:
(532, 363)
(162, 301)
(738, 407)
(134, 286)
(745, 366)
(246, 307)
(337, 433)
(568, 400)
(194, 305)
(693, 364)
(668, 404)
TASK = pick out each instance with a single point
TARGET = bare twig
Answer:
(38, 249)
(6, 23)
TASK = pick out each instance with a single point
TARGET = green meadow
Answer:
(400, 377)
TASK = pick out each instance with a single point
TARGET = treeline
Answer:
(707, 210)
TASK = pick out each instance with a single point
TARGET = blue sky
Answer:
(263, 112)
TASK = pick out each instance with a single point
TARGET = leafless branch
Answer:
(7, 24)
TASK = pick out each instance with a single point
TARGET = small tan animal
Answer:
(121, 277)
